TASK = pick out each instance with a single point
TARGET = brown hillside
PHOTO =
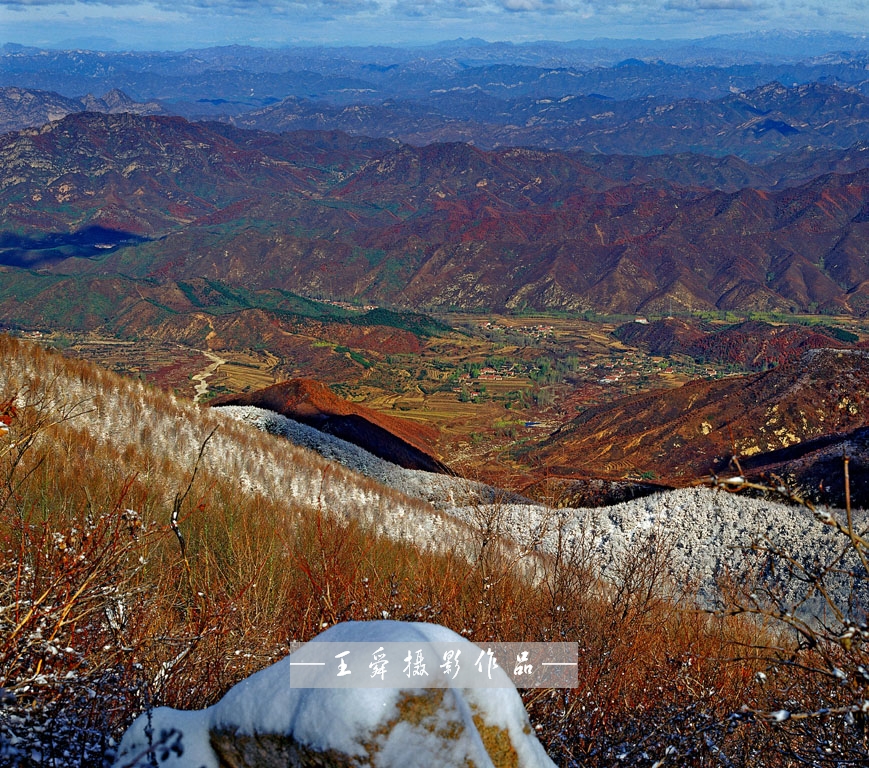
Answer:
(402, 442)
(751, 345)
(682, 434)
(815, 467)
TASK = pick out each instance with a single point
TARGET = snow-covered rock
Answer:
(263, 721)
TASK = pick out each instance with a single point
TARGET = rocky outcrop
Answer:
(264, 721)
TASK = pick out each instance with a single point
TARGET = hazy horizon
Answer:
(161, 25)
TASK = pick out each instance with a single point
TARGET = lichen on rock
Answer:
(265, 722)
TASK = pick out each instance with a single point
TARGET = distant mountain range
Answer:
(446, 225)
(802, 132)
(616, 68)
(757, 125)
(720, 96)
(25, 108)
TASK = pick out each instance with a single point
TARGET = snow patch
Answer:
(367, 723)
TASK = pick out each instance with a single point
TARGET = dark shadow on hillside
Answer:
(32, 251)
(308, 402)
(815, 467)
(377, 440)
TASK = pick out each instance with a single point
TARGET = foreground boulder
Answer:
(265, 722)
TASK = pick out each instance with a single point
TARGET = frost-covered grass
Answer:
(102, 609)
(711, 533)
(436, 489)
(102, 613)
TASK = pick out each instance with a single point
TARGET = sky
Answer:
(177, 24)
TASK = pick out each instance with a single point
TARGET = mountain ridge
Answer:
(406, 444)
(22, 108)
(445, 225)
(756, 125)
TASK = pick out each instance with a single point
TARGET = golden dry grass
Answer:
(90, 562)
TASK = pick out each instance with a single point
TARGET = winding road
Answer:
(201, 389)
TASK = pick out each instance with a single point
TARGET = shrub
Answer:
(103, 614)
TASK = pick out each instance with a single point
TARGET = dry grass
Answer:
(103, 614)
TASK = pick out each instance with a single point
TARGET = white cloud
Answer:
(712, 5)
(206, 22)
(438, 9)
(521, 5)
(300, 8)
(540, 6)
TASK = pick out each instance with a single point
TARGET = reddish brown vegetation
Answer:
(678, 435)
(519, 228)
(90, 566)
(386, 341)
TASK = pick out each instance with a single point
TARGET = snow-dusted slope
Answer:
(436, 489)
(704, 529)
(123, 413)
(706, 533)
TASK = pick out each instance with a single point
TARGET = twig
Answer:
(179, 501)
